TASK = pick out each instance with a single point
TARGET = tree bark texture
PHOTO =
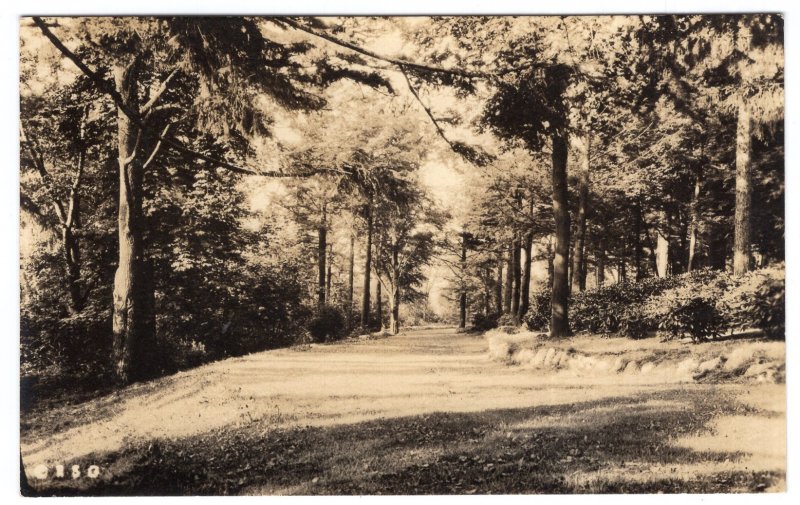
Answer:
(600, 262)
(578, 251)
(322, 252)
(741, 219)
(462, 298)
(509, 279)
(379, 303)
(394, 319)
(525, 296)
(516, 289)
(559, 299)
(662, 246)
(498, 287)
(351, 266)
(365, 301)
(133, 323)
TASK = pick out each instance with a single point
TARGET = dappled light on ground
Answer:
(423, 412)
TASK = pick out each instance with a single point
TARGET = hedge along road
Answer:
(425, 411)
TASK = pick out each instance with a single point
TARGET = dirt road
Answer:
(421, 412)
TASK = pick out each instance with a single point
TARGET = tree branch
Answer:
(436, 125)
(76, 182)
(108, 89)
(156, 148)
(394, 61)
(47, 182)
(160, 91)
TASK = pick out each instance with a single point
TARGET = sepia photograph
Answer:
(401, 255)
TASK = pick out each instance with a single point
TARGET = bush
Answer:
(506, 320)
(633, 323)
(327, 325)
(612, 307)
(700, 304)
(251, 309)
(770, 309)
(76, 345)
(757, 300)
(696, 316)
(686, 306)
(596, 311)
(538, 316)
(484, 322)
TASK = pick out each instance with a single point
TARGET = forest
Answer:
(194, 188)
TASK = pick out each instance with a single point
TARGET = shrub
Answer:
(483, 322)
(327, 325)
(757, 300)
(506, 320)
(633, 323)
(635, 309)
(700, 304)
(538, 315)
(770, 308)
(242, 308)
(696, 316)
(596, 311)
(72, 345)
(609, 308)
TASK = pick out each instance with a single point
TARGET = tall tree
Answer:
(143, 55)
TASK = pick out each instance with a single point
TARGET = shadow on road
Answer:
(620, 444)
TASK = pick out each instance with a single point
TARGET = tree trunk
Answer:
(741, 220)
(329, 275)
(71, 251)
(378, 248)
(498, 287)
(559, 300)
(462, 298)
(637, 242)
(718, 248)
(600, 267)
(322, 251)
(350, 276)
(70, 242)
(662, 246)
(379, 303)
(487, 289)
(509, 280)
(394, 320)
(133, 324)
(462, 309)
(515, 294)
(578, 251)
(365, 302)
(550, 257)
(525, 296)
(678, 257)
(694, 224)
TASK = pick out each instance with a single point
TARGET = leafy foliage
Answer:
(485, 322)
(538, 315)
(327, 325)
(697, 317)
(757, 299)
(657, 113)
(702, 304)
